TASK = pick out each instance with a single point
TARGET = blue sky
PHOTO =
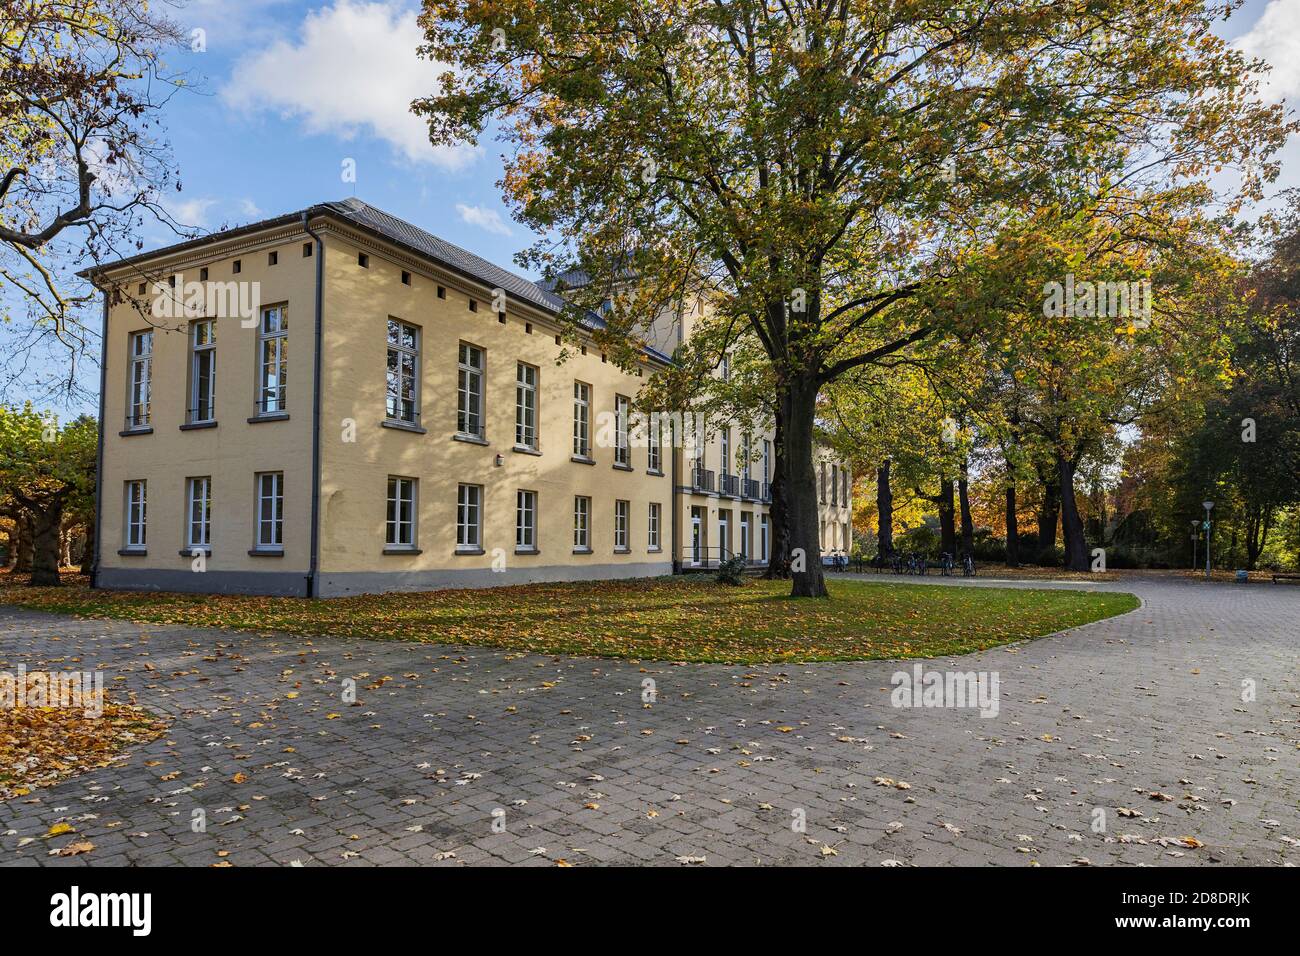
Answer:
(287, 90)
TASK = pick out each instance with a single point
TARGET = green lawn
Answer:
(676, 619)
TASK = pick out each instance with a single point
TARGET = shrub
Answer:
(732, 570)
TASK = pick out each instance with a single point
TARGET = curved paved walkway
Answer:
(577, 768)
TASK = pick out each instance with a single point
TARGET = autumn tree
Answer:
(46, 471)
(819, 162)
(82, 163)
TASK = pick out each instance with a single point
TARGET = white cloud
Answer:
(353, 70)
(486, 219)
(1275, 37)
(248, 208)
(190, 212)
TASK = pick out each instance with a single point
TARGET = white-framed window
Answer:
(764, 531)
(835, 485)
(469, 518)
(620, 525)
(273, 360)
(402, 386)
(400, 524)
(525, 520)
(745, 470)
(725, 439)
(140, 377)
(469, 392)
(821, 478)
(270, 510)
(622, 451)
(654, 444)
(652, 526)
(767, 461)
(581, 523)
(136, 505)
(203, 371)
(844, 481)
(581, 420)
(526, 407)
(198, 529)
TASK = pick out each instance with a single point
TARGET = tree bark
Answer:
(88, 548)
(778, 565)
(22, 543)
(801, 489)
(884, 510)
(947, 518)
(46, 545)
(1013, 529)
(1076, 548)
(967, 525)
(1048, 514)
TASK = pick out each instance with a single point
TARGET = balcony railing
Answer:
(701, 479)
(729, 485)
(767, 491)
(749, 488)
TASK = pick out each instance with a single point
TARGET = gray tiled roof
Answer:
(399, 231)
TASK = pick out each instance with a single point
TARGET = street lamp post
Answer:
(1196, 528)
(1208, 506)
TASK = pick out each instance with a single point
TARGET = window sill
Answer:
(528, 550)
(402, 426)
(523, 450)
(194, 552)
(655, 472)
(582, 551)
(272, 417)
(622, 550)
(468, 551)
(138, 430)
(266, 552)
(619, 466)
(133, 552)
(655, 550)
(469, 439)
(403, 551)
(582, 460)
(195, 426)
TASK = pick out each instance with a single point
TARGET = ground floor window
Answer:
(270, 510)
(620, 525)
(401, 513)
(135, 514)
(469, 518)
(581, 523)
(652, 527)
(198, 535)
(525, 521)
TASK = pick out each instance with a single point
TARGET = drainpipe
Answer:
(676, 497)
(314, 562)
(99, 450)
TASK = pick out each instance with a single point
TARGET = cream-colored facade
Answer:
(361, 407)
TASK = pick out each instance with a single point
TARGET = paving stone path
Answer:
(446, 746)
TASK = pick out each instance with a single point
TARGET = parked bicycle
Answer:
(967, 565)
(946, 564)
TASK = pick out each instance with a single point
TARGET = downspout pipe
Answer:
(99, 450)
(314, 560)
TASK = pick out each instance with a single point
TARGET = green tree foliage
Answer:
(46, 472)
(819, 164)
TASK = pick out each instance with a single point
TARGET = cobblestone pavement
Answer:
(1143, 712)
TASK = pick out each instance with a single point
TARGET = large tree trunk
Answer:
(967, 525)
(947, 518)
(1013, 528)
(801, 490)
(1076, 548)
(22, 543)
(884, 510)
(778, 564)
(88, 549)
(46, 545)
(1048, 514)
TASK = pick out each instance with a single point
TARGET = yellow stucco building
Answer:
(334, 401)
